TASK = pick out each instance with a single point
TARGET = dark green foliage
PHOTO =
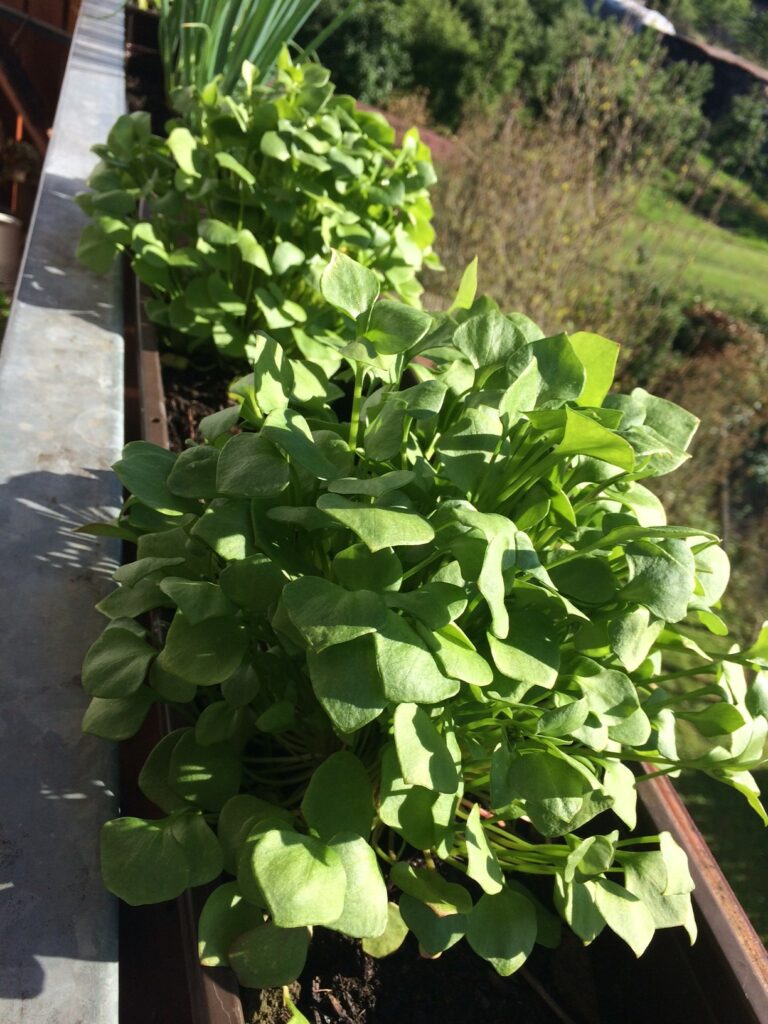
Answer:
(740, 138)
(457, 51)
(468, 54)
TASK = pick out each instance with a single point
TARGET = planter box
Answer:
(61, 414)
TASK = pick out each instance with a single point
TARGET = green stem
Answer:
(422, 564)
(354, 423)
(656, 774)
(694, 670)
(535, 468)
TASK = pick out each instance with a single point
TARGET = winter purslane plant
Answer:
(232, 217)
(420, 643)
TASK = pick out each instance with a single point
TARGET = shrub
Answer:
(230, 219)
(426, 638)
(469, 55)
(456, 51)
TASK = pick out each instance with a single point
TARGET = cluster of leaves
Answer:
(231, 218)
(204, 39)
(419, 646)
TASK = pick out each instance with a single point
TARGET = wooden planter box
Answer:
(63, 373)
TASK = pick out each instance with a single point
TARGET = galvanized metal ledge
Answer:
(61, 427)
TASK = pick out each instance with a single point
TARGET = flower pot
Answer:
(11, 248)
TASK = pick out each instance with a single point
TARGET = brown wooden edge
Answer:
(743, 955)
(213, 994)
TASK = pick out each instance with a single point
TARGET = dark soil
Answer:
(573, 984)
(191, 394)
(144, 85)
(341, 984)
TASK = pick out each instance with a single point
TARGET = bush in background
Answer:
(547, 200)
(468, 55)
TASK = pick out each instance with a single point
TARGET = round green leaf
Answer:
(204, 652)
(598, 356)
(357, 568)
(269, 955)
(422, 816)
(430, 888)
(205, 859)
(483, 866)
(117, 662)
(346, 681)
(238, 818)
(391, 939)
(155, 773)
(349, 286)
(531, 651)
(713, 570)
(225, 916)
(250, 465)
(407, 669)
(241, 688)
(182, 145)
(339, 797)
(326, 614)
(487, 339)
(197, 599)
(394, 327)
(207, 776)
(378, 527)
(502, 930)
(170, 687)
(553, 790)
(253, 583)
(585, 436)
(303, 879)
(661, 576)
(217, 723)
(118, 718)
(144, 470)
(435, 934)
(141, 862)
(194, 473)
(624, 913)
(457, 657)
(365, 899)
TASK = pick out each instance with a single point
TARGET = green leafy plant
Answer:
(230, 224)
(204, 39)
(420, 643)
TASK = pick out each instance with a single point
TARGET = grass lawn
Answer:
(724, 266)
